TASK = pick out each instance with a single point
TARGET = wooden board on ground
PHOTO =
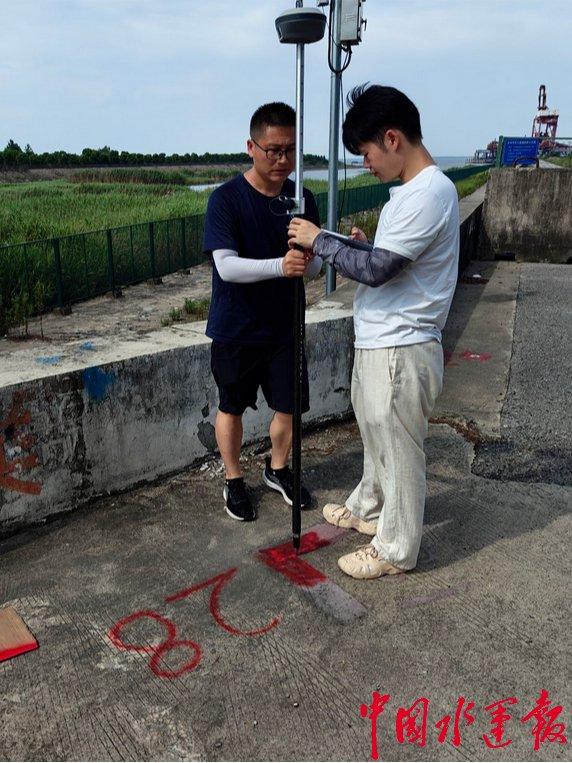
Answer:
(15, 638)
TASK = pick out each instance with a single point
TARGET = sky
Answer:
(184, 75)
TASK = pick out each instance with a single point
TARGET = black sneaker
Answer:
(282, 480)
(237, 502)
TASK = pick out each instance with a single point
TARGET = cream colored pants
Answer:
(394, 390)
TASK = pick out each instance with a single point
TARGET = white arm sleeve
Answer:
(237, 269)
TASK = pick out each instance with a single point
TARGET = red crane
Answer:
(545, 122)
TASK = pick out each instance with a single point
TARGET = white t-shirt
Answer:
(421, 222)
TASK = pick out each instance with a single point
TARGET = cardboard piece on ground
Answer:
(15, 638)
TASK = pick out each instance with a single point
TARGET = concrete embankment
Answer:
(527, 213)
(145, 411)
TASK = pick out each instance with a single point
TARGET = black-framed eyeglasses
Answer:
(275, 154)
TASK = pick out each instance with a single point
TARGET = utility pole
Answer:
(346, 27)
(335, 82)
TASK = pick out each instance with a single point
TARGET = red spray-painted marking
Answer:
(160, 650)
(480, 356)
(12, 468)
(295, 569)
(218, 582)
(284, 559)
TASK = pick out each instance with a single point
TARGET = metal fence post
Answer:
(27, 274)
(154, 277)
(184, 243)
(58, 273)
(110, 268)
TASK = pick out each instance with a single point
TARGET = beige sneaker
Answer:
(341, 516)
(366, 564)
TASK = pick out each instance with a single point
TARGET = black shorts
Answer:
(239, 370)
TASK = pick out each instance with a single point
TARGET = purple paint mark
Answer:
(429, 598)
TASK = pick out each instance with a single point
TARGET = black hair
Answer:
(275, 114)
(374, 109)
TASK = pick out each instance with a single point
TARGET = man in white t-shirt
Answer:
(407, 281)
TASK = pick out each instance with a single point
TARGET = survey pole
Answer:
(299, 26)
(299, 309)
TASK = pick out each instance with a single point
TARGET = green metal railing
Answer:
(78, 267)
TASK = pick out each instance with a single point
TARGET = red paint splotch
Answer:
(12, 431)
(480, 356)
(286, 561)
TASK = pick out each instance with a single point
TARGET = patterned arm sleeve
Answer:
(372, 268)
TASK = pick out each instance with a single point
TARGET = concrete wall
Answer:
(69, 437)
(528, 212)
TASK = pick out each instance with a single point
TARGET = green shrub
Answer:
(198, 308)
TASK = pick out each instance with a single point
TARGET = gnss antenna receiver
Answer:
(299, 26)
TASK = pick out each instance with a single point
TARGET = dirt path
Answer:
(137, 313)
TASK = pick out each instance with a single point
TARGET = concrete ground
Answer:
(166, 634)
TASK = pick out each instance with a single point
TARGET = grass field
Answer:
(32, 211)
(469, 185)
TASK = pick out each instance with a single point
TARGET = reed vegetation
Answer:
(98, 199)
(47, 209)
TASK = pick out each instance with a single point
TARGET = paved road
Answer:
(536, 421)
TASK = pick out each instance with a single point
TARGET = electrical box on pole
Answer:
(352, 21)
(346, 27)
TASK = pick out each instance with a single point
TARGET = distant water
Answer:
(444, 162)
(450, 161)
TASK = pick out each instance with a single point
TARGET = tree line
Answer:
(14, 157)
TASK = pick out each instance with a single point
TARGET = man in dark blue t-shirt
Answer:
(251, 315)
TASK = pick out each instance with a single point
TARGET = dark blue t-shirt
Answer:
(241, 218)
